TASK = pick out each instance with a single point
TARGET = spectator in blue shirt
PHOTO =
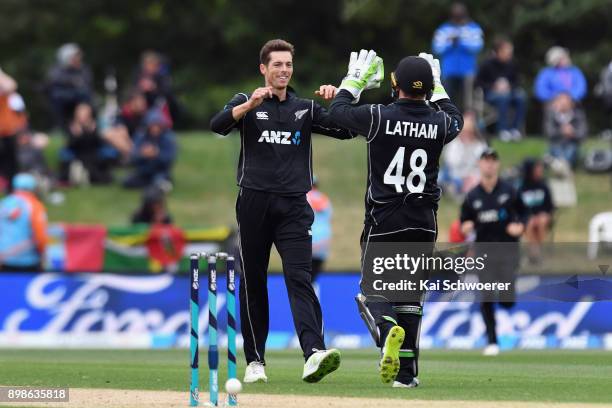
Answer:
(457, 43)
(153, 153)
(559, 77)
(23, 227)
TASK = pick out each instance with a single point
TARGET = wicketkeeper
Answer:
(404, 142)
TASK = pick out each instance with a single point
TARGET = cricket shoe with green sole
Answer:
(390, 363)
(319, 364)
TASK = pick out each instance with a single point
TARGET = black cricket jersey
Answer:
(492, 212)
(405, 141)
(536, 198)
(276, 146)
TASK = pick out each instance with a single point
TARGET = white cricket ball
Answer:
(233, 386)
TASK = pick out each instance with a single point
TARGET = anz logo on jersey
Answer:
(280, 137)
(488, 216)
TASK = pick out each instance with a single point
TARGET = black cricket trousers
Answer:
(285, 221)
(501, 267)
(406, 314)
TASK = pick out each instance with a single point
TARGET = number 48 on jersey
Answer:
(415, 181)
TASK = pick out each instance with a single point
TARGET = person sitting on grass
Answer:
(561, 76)
(153, 79)
(565, 125)
(153, 154)
(499, 77)
(129, 120)
(86, 157)
(459, 172)
(153, 208)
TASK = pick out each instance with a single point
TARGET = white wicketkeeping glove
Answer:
(439, 91)
(365, 71)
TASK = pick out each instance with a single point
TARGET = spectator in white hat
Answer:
(561, 76)
(69, 83)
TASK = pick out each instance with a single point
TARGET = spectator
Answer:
(13, 119)
(85, 148)
(165, 242)
(460, 158)
(537, 200)
(153, 153)
(30, 152)
(133, 113)
(23, 227)
(31, 159)
(455, 236)
(127, 123)
(153, 209)
(565, 125)
(498, 77)
(70, 82)
(604, 91)
(321, 227)
(154, 81)
(457, 43)
(559, 77)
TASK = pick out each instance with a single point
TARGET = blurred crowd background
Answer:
(116, 81)
(210, 48)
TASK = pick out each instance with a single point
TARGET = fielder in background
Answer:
(23, 227)
(404, 141)
(495, 214)
(274, 175)
(321, 227)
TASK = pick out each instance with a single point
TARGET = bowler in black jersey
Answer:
(274, 175)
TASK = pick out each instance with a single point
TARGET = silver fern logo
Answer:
(299, 114)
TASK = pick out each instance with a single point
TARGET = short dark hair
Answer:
(151, 55)
(274, 45)
(132, 93)
(499, 41)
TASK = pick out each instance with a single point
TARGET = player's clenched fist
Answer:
(256, 99)
(259, 95)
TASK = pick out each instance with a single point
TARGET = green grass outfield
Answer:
(205, 191)
(544, 376)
